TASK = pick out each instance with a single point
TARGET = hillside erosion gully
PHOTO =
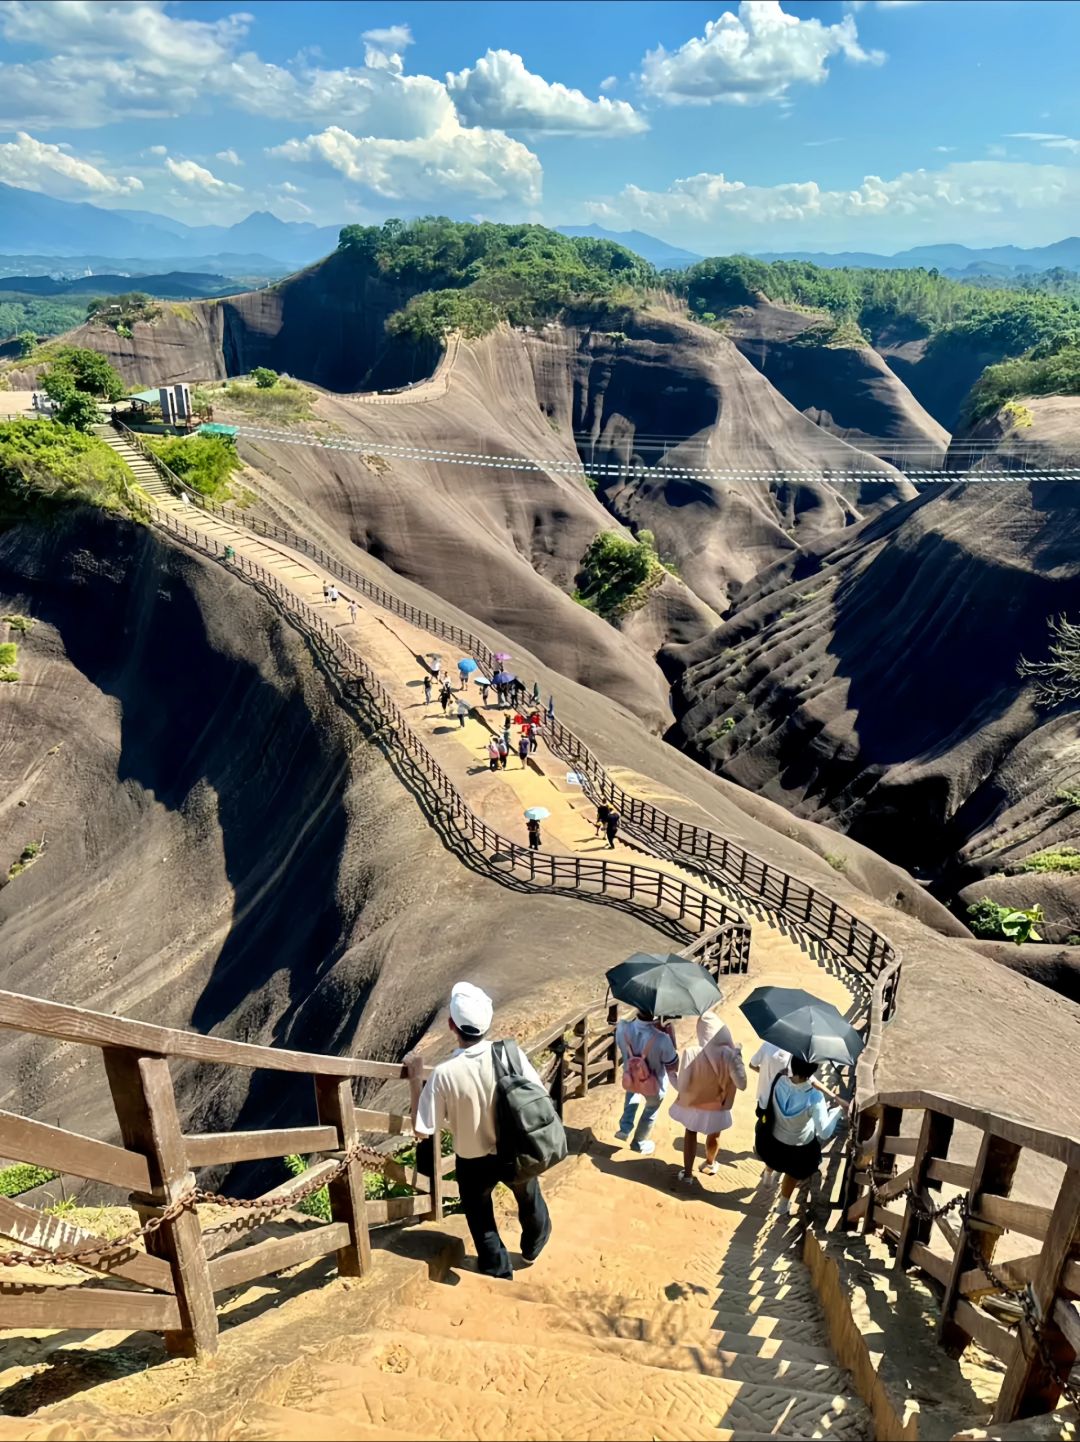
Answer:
(941, 978)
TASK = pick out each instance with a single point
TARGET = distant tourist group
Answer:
(505, 1128)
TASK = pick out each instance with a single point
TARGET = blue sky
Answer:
(749, 126)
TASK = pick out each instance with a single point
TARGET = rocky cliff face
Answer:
(848, 391)
(874, 687)
(224, 850)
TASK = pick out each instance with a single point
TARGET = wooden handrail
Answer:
(847, 936)
(1056, 1145)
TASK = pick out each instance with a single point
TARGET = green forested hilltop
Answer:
(1032, 333)
(472, 276)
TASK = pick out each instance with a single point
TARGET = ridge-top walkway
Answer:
(395, 649)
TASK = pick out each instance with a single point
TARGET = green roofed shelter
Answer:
(213, 428)
(146, 398)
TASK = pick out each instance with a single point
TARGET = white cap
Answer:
(471, 1009)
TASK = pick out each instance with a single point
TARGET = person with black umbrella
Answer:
(658, 987)
(798, 1120)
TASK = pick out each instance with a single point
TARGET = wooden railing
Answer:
(946, 1216)
(172, 1285)
(808, 910)
(688, 909)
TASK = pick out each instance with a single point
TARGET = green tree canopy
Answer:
(87, 370)
(264, 377)
(44, 464)
(520, 273)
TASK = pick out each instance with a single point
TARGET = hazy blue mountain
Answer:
(40, 225)
(657, 252)
(955, 259)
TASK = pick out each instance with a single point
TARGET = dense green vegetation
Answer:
(619, 573)
(1051, 368)
(994, 922)
(120, 312)
(205, 463)
(39, 316)
(74, 378)
(1040, 326)
(45, 465)
(1059, 858)
(23, 1177)
(473, 276)
(284, 401)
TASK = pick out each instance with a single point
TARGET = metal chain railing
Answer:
(1023, 1295)
(265, 1207)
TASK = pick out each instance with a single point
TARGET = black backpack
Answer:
(529, 1134)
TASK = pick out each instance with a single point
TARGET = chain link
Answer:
(1023, 1295)
(266, 1207)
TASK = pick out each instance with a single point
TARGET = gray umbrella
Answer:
(802, 1024)
(668, 985)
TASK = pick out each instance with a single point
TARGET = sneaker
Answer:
(686, 1178)
(710, 1168)
(768, 1179)
(783, 1207)
(621, 1136)
(645, 1148)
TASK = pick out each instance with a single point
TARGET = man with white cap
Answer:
(460, 1095)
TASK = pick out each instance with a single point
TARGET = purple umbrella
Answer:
(502, 655)
(502, 678)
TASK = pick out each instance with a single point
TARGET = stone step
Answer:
(791, 1365)
(518, 1389)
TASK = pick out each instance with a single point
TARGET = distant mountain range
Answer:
(657, 252)
(38, 224)
(176, 285)
(953, 259)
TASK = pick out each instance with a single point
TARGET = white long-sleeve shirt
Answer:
(460, 1095)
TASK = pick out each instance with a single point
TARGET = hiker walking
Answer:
(769, 1062)
(649, 1058)
(326, 590)
(483, 1095)
(332, 595)
(230, 554)
(446, 695)
(709, 1076)
(352, 611)
(506, 732)
(523, 749)
(484, 686)
(532, 826)
(462, 712)
(493, 753)
(795, 1121)
(504, 750)
(611, 826)
(427, 690)
(603, 811)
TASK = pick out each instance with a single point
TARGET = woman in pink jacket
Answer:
(709, 1076)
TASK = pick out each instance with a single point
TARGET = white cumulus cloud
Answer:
(35, 165)
(199, 177)
(229, 156)
(1049, 140)
(750, 58)
(719, 214)
(500, 93)
(450, 164)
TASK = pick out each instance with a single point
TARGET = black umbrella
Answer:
(802, 1024)
(664, 985)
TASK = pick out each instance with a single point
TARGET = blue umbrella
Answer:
(502, 678)
(467, 664)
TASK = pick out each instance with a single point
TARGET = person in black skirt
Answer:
(795, 1121)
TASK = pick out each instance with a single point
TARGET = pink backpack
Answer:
(638, 1076)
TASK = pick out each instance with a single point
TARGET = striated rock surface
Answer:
(875, 687)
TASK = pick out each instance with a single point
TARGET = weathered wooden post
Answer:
(334, 1100)
(145, 1102)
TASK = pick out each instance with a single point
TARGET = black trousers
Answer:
(477, 1178)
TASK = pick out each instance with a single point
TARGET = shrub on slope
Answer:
(44, 465)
